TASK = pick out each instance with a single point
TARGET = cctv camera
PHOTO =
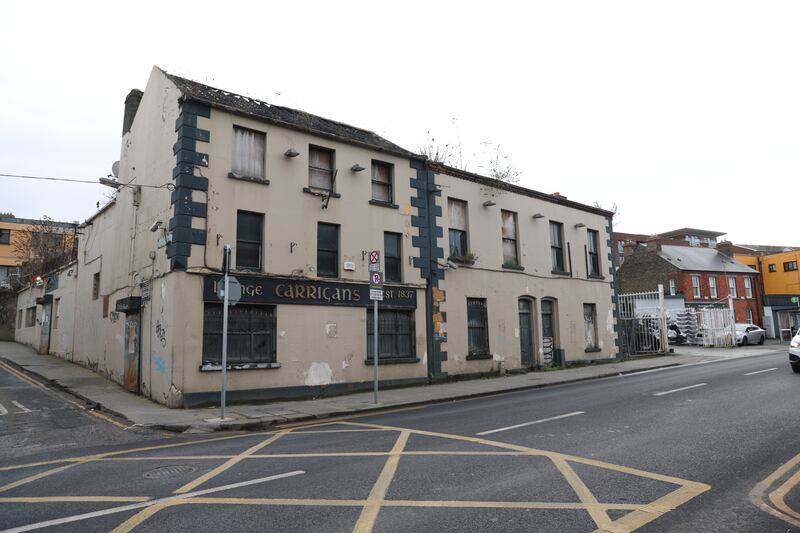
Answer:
(155, 225)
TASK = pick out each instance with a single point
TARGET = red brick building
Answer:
(703, 276)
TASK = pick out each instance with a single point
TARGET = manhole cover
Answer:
(164, 472)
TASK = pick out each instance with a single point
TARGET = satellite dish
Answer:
(115, 169)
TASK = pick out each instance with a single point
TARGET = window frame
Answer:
(394, 334)
(479, 306)
(331, 170)
(772, 267)
(696, 291)
(594, 269)
(260, 242)
(748, 287)
(7, 233)
(335, 273)
(239, 173)
(749, 315)
(732, 291)
(395, 259)
(268, 360)
(374, 182)
(712, 286)
(30, 316)
(672, 287)
(557, 249)
(790, 266)
(458, 235)
(512, 262)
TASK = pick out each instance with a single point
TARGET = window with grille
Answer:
(320, 169)
(457, 232)
(395, 334)
(251, 334)
(382, 182)
(391, 257)
(509, 232)
(247, 159)
(557, 246)
(327, 250)
(477, 326)
(249, 240)
(593, 251)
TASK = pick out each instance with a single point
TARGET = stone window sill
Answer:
(319, 192)
(393, 361)
(211, 367)
(592, 350)
(477, 356)
(512, 267)
(560, 273)
(381, 203)
(262, 181)
(596, 276)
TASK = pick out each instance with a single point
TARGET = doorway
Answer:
(131, 379)
(526, 348)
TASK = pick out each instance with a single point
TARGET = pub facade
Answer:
(479, 277)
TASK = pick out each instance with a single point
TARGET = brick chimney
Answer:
(132, 102)
(725, 247)
(653, 243)
(629, 247)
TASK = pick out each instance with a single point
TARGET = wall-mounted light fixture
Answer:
(357, 168)
(488, 203)
(291, 152)
(538, 215)
(580, 225)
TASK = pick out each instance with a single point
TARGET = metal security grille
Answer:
(643, 322)
(395, 334)
(251, 334)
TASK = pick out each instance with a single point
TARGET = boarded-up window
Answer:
(590, 326)
(248, 153)
(510, 256)
(457, 215)
(320, 168)
(395, 334)
(382, 182)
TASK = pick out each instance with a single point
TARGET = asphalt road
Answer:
(711, 447)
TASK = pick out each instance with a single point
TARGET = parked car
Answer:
(794, 353)
(749, 334)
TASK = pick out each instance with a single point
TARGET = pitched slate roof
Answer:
(284, 116)
(702, 259)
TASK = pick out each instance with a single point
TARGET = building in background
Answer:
(480, 275)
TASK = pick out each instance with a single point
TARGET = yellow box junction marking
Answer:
(639, 514)
(761, 496)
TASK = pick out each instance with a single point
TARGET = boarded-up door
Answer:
(132, 328)
(525, 332)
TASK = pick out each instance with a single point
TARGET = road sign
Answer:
(234, 290)
(794, 299)
(375, 261)
(376, 295)
(376, 286)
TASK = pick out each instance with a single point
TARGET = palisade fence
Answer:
(643, 322)
(710, 326)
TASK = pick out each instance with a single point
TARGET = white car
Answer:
(749, 334)
(794, 353)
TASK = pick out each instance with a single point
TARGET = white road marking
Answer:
(22, 408)
(124, 508)
(529, 423)
(760, 371)
(679, 390)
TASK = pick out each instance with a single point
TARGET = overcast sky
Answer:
(680, 113)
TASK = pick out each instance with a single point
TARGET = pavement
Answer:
(107, 396)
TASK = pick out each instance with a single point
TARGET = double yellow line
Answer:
(30, 381)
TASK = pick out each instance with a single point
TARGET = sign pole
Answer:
(226, 268)
(375, 349)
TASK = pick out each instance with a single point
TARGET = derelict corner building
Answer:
(479, 275)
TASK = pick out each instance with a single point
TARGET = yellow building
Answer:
(781, 279)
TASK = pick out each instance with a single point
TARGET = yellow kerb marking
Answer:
(229, 463)
(376, 496)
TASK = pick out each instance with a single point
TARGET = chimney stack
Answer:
(725, 247)
(653, 243)
(132, 102)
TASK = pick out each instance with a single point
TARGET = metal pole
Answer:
(227, 254)
(375, 349)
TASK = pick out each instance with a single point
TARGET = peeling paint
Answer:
(282, 334)
(319, 374)
(331, 330)
(610, 322)
(347, 360)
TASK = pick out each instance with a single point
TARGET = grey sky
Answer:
(681, 113)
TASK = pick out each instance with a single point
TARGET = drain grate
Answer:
(166, 472)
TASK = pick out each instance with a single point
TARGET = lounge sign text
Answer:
(310, 292)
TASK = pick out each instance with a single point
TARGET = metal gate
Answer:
(715, 327)
(643, 322)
